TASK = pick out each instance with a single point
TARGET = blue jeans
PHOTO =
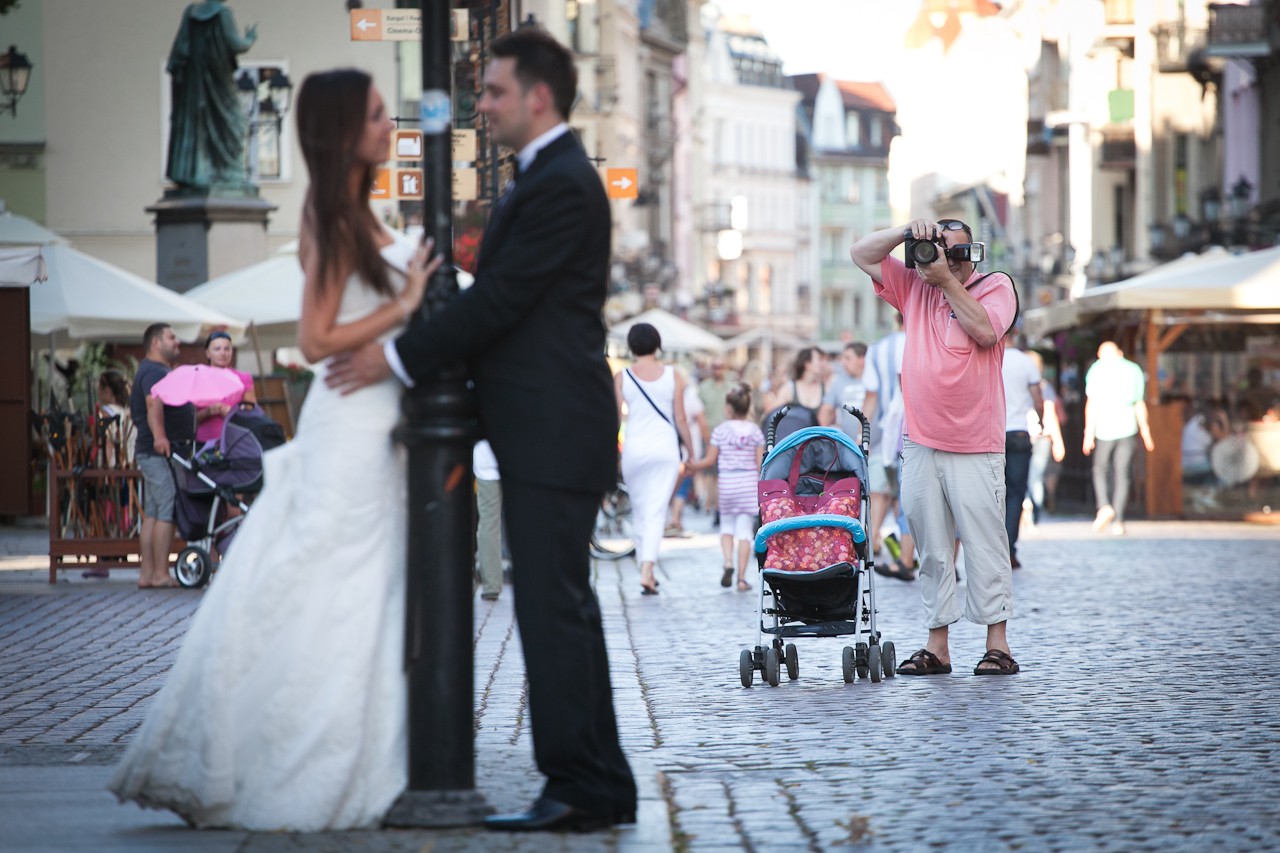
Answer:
(1017, 465)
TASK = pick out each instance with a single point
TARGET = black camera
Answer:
(923, 252)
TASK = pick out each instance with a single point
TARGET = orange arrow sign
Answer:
(366, 25)
(622, 183)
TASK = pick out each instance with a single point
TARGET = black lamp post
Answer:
(15, 74)
(439, 431)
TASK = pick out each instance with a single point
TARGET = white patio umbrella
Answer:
(678, 335)
(89, 299)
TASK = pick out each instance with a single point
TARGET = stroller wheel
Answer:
(860, 661)
(193, 568)
(873, 663)
(889, 657)
(771, 666)
(746, 668)
(849, 664)
(793, 662)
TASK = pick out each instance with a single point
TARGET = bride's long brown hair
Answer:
(331, 110)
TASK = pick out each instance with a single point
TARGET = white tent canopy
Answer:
(1213, 281)
(89, 299)
(267, 294)
(678, 336)
(18, 230)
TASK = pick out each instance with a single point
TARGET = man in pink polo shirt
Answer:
(952, 466)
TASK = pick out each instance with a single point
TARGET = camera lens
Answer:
(924, 252)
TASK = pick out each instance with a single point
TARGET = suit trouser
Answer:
(947, 495)
(575, 731)
(1113, 456)
(489, 534)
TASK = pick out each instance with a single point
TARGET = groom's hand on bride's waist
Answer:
(351, 371)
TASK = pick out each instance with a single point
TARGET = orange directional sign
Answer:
(409, 183)
(621, 183)
(400, 25)
(406, 145)
(381, 189)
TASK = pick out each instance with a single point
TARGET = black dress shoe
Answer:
(548, 815)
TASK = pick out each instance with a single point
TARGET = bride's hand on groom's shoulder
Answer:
(421, 268)
(351, 371)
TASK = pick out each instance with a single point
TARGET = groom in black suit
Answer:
(532, 331)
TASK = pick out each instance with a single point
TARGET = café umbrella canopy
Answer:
(200, 384)
(89, 299)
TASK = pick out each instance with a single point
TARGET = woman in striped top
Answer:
(738, 445)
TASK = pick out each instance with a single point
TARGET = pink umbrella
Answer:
(201, 384)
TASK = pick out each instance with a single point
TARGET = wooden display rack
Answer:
(94, 516)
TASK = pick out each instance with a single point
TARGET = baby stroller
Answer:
(816, 572)
(224, 471)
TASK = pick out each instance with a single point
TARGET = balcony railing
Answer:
(1175, 42)
(1238, 32)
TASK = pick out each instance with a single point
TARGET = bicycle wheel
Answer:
(614, 537)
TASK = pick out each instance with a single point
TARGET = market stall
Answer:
(1206, 329)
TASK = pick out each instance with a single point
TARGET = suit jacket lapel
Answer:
(501, 210)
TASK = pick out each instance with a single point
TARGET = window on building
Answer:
(876, 130)
(267, 134)
(583, 33)
(853, 129)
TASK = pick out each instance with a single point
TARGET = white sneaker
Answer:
(1117, 529)
(1104, 517)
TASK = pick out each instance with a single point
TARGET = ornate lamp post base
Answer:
(422, 809)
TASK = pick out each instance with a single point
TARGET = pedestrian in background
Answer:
(652, 396)
(156, 426)
(711, 391)
(883, 406)
(803, 392)
(209, 419)
(1115, 414)
(696, 416)
(1047, 447)
(736, 449)
(488, 520)
(953, 454)
(847, 389)
(1022, 398)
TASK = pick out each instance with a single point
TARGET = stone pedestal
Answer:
(203, 237)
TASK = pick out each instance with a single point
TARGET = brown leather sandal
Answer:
(923, 662)
(998, 663)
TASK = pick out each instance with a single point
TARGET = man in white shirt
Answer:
(1021, 397)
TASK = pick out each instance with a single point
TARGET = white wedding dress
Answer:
(286, 705)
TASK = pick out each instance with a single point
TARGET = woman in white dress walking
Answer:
(286, 706)
(653, 396)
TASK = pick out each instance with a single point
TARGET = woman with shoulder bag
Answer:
(656, 430)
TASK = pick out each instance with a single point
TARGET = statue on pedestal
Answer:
(206, 125)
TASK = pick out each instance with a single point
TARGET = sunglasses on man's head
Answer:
(216, 335)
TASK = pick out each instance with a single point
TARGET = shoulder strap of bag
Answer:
(1017, 304)
(661, 414)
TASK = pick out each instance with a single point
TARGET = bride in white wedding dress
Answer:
(286, 705)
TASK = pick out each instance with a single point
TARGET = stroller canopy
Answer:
(826, 454)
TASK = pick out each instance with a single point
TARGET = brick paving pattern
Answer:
(1146, 715)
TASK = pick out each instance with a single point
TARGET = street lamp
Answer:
(1241, 191)
(263, 111)
(15, 74)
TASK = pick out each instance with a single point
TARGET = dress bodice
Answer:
(359, 300)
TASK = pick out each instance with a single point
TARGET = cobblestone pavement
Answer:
(1145, 716)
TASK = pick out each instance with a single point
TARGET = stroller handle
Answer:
(866, 427)
(771, 435)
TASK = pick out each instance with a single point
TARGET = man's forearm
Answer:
(868, 251)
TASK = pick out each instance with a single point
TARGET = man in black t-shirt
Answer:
(156, 425)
